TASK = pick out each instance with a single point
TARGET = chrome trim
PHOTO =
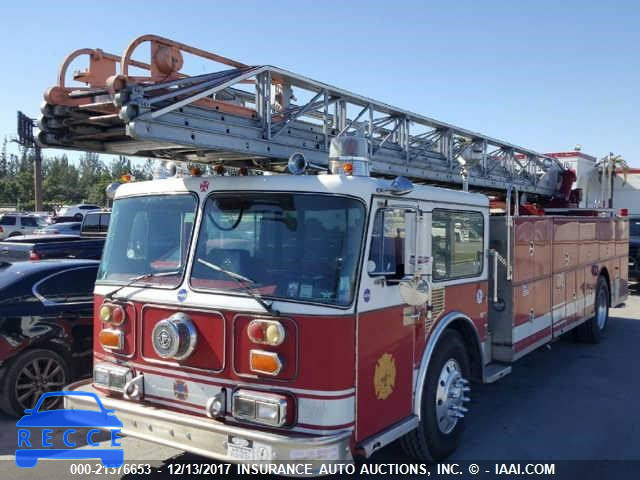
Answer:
(186, 309)
(202, 436)
(221, 396)
(134, 388)
(116, 369)
(265, 398)
(389, 435)
(173, 324)
(428, 352)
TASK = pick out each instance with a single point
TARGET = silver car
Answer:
(64, 228)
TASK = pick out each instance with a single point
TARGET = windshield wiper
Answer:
(144, 276)
(241, 280)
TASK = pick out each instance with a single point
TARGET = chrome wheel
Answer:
(450, 396)
(40, 375)
(601, 308)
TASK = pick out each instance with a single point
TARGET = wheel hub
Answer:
(39, 376)
(450, 396)
(601, 309)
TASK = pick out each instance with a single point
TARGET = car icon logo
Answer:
(31, 448)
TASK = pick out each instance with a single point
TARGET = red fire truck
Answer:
(317, 294)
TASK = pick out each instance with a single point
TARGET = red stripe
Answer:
(530, 340)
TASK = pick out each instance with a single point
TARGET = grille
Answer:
(437, 302)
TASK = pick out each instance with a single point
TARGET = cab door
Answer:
(386, 325)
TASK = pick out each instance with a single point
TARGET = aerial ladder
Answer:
(258, 117)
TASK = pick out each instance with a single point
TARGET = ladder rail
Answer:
(258, 108)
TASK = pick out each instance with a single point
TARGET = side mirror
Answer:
(414, 292)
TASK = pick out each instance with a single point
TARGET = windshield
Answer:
(292, 246)
(148, 235)
(634, 227)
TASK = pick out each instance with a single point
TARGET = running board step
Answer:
(495, 371)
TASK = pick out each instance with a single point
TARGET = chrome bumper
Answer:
(210, 438)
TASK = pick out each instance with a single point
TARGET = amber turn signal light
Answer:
(267, 363)
(111, 338)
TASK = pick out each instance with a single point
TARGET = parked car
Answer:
(46, 312)
(65, 228)
(96, 223)
(76, 211)
(634, 248)
(39, 247)
(13, 224)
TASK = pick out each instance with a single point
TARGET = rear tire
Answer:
(592, 331)
(29, 375)
(442, 412)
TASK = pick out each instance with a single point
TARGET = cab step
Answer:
(495, 371)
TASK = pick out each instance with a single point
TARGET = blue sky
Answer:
(546, 75)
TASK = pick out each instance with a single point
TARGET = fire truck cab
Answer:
(267, 302)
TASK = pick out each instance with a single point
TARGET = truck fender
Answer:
(434, 338)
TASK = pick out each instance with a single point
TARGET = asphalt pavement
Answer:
(567, 401)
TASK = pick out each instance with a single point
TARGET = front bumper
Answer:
(213, 439)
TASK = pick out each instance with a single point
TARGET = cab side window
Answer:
(387, 251)
(457, 244)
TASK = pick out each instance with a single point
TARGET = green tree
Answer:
(90, 170)
(61, 181)
(3, 158)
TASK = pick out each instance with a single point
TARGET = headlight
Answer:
(111, 376)
(260, 407)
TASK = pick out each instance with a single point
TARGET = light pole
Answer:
(25, 138)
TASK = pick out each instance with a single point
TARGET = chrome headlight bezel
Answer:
(111, 376)
(246, 406)
(174, 337)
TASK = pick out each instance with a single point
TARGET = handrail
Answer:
(128, 52)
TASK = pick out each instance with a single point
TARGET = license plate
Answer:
(240, 453)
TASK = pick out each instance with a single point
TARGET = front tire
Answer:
(592, 331)
(442, 411)
(31, 374)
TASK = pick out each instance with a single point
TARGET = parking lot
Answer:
(568, 402)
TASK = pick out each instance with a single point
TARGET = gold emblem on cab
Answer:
(384, 378)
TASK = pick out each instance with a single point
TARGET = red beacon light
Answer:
(218, 170)
(624, 212)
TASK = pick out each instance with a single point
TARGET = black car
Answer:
(634, 248)
(46, 314)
